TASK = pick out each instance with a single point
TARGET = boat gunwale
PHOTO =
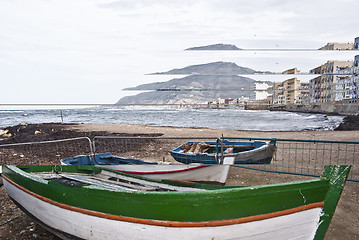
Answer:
(103, 156)
(245, 190)
(161, 172)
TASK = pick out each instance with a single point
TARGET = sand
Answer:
(207, 132)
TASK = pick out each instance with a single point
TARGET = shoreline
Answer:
(55, 131)
(352, 135)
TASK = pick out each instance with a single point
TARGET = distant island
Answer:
(219, 46)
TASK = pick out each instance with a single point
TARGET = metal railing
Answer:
(308, 157)
(44, 152)
(291, 156)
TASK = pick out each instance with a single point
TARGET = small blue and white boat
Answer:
(153, 170)
(249, 152)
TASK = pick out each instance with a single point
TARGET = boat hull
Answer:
(55, 218)
(261, 153)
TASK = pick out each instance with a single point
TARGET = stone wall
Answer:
(338, 108)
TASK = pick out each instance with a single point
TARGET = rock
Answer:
(5, 133)
(349, 123)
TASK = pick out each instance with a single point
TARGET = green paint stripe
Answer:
(337, 176)
(227, 203)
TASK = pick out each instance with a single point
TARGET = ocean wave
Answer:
(176, 117)
(11, 111)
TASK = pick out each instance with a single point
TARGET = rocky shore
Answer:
(350, 122)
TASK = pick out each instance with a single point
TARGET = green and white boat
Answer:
(89, 202)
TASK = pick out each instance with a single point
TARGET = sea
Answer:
(233, 119)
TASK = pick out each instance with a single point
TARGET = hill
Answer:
(205, 82)
(191, 89)
(211, 68)
(219, 46)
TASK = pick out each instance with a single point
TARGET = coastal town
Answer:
(334, 89)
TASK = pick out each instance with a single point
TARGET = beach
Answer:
(16, 225)
(208, 132)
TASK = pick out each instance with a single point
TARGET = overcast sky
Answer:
(86, 51)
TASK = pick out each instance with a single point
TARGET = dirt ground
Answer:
(14, 224)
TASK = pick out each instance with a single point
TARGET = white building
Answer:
(260, 91)
(347, 85)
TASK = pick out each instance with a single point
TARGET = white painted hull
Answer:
(299, 225)
(180, 172)
(257, 154)
(200, 173)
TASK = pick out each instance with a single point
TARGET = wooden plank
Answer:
(129, 184)
(45, 175)
(99, 183)
(149, 183)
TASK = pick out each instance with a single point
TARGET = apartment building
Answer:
(290, 91)
(322, 89)
(260, 91)
(291, 71)
(315, 90)
(338, 46)
(348, 85)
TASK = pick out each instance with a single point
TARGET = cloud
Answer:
(94, 41)
(204, 16)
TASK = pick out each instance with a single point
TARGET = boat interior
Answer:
(110, 181)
